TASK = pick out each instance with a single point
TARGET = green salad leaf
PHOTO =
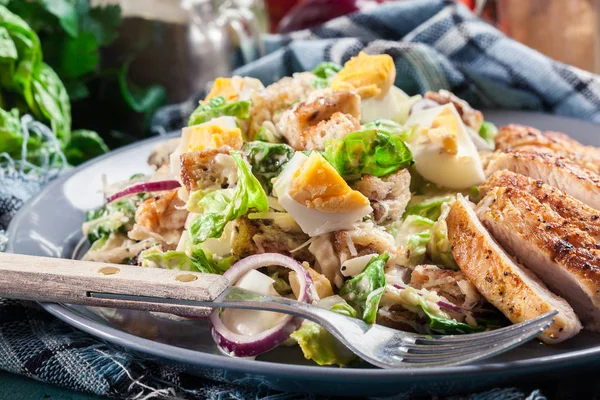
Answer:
(488, 132)
(267, 160)
(412, 237)
(364, 291)
(218, 107)
(324, 72)
(247, 195)
(439, 244)
(389, 126)
(369, 152)
(197, 261)
(446, 326)
(430, 208)
(116, 216)
(321, 346)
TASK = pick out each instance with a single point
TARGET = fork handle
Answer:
(60, 280)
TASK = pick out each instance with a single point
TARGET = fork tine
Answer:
(473, 354)
(445, 346)
(483, 336)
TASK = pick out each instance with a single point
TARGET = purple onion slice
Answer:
(239, 345)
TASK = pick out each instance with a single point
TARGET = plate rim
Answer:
(313, 372)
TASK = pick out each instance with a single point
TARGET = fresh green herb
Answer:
(218, 107)
(364, 291)
(248, 195)
(488, 132)
(324, 72)
(369, 152)
(84, 145)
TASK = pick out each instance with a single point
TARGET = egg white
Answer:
(453, 171)
(312, 222)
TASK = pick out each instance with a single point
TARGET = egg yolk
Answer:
(223, 87)
(318, 185)
(212, 137)
(367, 75)
(444, 131)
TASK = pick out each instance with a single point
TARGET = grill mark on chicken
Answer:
(565, 257)
(563, 174)
(510, 287)
(525, 138)
(579, 214)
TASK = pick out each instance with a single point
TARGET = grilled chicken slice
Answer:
(556, 171)
(566, 258)
(525, 138)
(580, 215)
(510, 287)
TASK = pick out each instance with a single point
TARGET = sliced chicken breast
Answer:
(525, 138)
(559, 172)
(581, 215)
(565, 257)
(510, 287)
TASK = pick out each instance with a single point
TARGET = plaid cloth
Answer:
(435, 44)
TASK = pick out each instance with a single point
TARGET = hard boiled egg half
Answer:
(317, 197)
(218, 132)
(443, 150)
(234, 88)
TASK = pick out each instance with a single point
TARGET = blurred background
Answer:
(130, 57)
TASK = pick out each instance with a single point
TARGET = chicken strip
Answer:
(566, 258)
(525, 138)
(556, 171)
(580, 215)
(162, 213)
(305, 125)
(508, 286)
(388, 195)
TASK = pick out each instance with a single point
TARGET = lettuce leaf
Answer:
(324, 72)
(321, 346)
(430, 208)
(267, 160)
(198, 261)
(439, 245)
(219, 209)
(412, 237)
(369, 152)
(218, 107)
(488, 132)
(364, 291)
(389, 126)
(446, 326)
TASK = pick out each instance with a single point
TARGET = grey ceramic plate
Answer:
(50, 224)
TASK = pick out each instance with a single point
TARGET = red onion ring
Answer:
(156, 186)
(239, 345)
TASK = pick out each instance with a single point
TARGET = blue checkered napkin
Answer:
(436, 45)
